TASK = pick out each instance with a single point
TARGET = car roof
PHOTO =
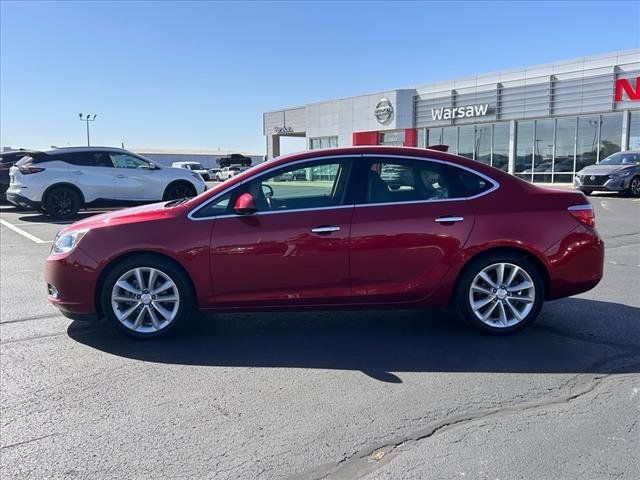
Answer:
(61, 150)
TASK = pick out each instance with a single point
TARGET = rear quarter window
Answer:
(471, 183)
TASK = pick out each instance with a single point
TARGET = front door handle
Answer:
(120, 176)
(449, 219)
(325, 229)
(77, 172)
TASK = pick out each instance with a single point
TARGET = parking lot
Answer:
(360, 394)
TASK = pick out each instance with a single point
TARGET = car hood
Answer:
(603, 169)
(144, 213)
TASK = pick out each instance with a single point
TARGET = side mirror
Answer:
(245, 205)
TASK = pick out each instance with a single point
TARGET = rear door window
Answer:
(86, 159)
(391, 180)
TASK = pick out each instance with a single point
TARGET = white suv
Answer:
(226, 173)
(194, 167)
(62, 181)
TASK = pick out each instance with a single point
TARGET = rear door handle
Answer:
(326, 229)
(449, 219)
(77, 172)
(120, 176)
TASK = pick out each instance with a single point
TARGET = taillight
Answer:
(28, 169)
(584, 214)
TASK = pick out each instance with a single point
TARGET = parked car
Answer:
(457, 233)
(62, 181)
(194, 167)
(619, 172)
(226, 173)
(8, 160)
(235, 159)
(213, 172)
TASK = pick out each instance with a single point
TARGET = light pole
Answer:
(87, 119)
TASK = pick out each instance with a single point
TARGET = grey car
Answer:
(619, 172)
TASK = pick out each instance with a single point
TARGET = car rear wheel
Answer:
(146, 296)
(62, 203)
(634, 186)
(500, 294)
(178, 191)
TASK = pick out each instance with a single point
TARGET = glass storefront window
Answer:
(587, 144)
(610, 135)
(543, 150)
(450, 137)
(524, 150)
(482, 147)
(565, 149)
(392, 137)
(634, 131)
(466, 141)
(500, 157)
(435, 136)
(422, 137)
(323, 143)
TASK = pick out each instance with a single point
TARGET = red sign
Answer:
(624, 85)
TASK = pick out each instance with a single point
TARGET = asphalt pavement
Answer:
(362, 394)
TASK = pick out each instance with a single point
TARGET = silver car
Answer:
(619, 172)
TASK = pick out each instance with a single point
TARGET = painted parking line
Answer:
(33, 238)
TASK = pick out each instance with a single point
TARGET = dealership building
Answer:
(542, 123)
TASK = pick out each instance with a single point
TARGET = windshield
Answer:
(622, 158)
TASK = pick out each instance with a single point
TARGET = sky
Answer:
(200, 74)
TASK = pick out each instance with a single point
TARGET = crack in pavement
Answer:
(17, 444)
(33, 317)
(360, 463)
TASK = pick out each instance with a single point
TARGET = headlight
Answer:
(67, 241)
(624, 173)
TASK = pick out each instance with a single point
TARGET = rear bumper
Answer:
(576, 263)
(74, 278)
(22, 201)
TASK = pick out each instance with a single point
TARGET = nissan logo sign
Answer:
(383, 111)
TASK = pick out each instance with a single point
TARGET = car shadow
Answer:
(37, 217)
(382, 344)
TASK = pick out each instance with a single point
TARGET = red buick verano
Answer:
(362, 227)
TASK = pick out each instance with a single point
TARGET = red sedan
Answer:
(360, 227)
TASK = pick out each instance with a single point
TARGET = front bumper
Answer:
(612, 184)
(73, 277)
(22, 201)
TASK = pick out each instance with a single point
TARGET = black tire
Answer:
(587, 192)
(62, 203)
(179, 190)
(185, 296)
(473, 269)
(634, 187)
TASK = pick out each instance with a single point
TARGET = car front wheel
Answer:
(146, 296)
(500, 294)
(634, 186)
(178, 191)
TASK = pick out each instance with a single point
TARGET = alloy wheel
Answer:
(145, 300)
(178, 192)
(635, 187)
(502, 295)
(61, 203)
